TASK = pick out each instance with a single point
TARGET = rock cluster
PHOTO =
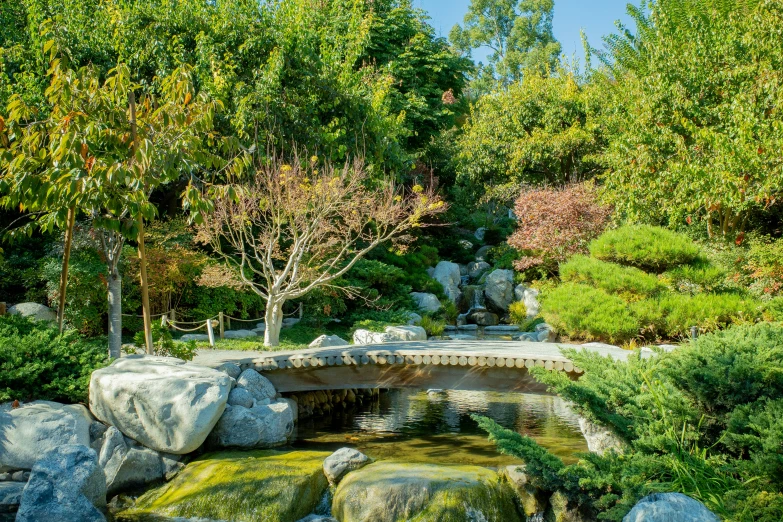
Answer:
(392, 334)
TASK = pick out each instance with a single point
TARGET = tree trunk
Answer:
(274, 322)
(145, 290)
(71, 219)
(115, 315)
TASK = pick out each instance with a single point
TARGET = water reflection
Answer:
(436, 427)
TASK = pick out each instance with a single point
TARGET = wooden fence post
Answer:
(222, 327)
(2, 309)
(210, 333)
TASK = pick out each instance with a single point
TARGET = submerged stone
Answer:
(392, 491)
(247, 486)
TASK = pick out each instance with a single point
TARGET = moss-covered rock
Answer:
(241, 486)
(395, 492)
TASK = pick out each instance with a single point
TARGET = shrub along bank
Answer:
(645, 282)
(704, 420)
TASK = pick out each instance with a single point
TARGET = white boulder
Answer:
(448, 275)
(477, 268)
(363, 337)
(342, 461)
(426, 302)
(239, 334)
(164, 403)
(599, 439)
(499, 289)
(35, 311)
(326, 341)
(407, 333)
(262, 426)
(670, 507)
(66, 484)
(33, 429)
(257, 385)
(529, 296)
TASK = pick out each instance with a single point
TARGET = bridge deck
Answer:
(472, 365)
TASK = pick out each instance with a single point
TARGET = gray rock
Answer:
(468, 327)
(413, 318)
(5, 477)
(426, 302)
(194, 337)
(530, 337)
(342, 461)
(482, 253)
(529, 296)
(450, 328)
(499, 289)
(239, 334)
(599, 439)
(127, 465)
(479, 233)
(230, 369)
(447, 274)
(97, 431)
(483, 318)
(406, 333)
(263, 426)
(35, 311)
(294, 407)
(501, 328)
(531, 499)
(66, 484)
(37, 427)
(670, 507)
(241, 397)
(476, 269)
(317, 518)
(364, 337)
(10, 496)
(20, 476)
(545, 333)
(164, 403)
(326, 341)
(257, 385)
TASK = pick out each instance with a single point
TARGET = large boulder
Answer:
(35, 311)
(483, 318)
(407, 333)
(426, 302)
(328, 341)
(389, 491)
(482, 254)
(670, 507)
(128, 465)
(164, 403)
(263, 426)
(66, 484)
(342, 461)
(599, 439)
(239, 334)
(499, 289)
(33, 429)
(241, 486)
(448, 275)
(529, 296)
(262, 390)
(363, 337)
(477, 269)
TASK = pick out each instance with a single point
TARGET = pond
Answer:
(435, 427)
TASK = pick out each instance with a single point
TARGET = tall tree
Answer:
(518, 32)
(296, 227)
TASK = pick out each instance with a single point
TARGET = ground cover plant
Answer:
(702, 420)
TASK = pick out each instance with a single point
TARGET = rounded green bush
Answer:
(650, 248)
(627, 282)
(590, 314)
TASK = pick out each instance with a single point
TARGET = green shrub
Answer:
(628, 283)
(517, 313)
(650, 248)
(433, 327)
(587, 313)
(36, 363)
(449, 311)
(707, 311)
(772, 310)
(163, 344)
(700, 277)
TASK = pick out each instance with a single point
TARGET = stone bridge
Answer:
(452, 365)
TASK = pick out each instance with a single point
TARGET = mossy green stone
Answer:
(240, 486)
(390, 491)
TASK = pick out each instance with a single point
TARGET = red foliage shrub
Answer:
(554, 224)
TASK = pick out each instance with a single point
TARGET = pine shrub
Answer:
(650, 248)
(628, 283)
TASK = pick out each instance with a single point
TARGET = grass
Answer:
(296, 337)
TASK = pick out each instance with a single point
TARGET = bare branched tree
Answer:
(298, 226)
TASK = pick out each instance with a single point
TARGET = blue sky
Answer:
(596, 17)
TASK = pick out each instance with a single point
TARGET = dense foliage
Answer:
(36, 362)
(646, 247)
(700, 420)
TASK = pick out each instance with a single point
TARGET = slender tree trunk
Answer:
(274, 322)
(145, 290)
(115, 314)
(71, 219)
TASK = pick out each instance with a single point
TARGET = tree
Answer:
(697, 128)
(539, 131)
(296, 227)
(519, 33)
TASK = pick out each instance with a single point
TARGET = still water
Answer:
(435, 427)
